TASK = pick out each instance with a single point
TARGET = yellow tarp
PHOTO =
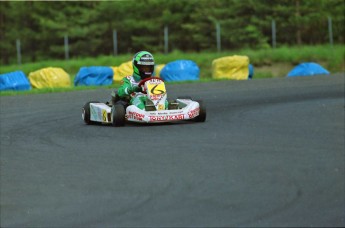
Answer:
(125, 69)
(49, 77)
(231, 67)
(158, 69)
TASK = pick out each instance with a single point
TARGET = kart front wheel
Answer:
(118, 115)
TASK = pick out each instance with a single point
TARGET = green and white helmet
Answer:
(143, 65)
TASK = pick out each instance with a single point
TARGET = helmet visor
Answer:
(146, 71)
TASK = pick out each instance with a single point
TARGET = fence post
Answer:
(166, 40)
(19, 56)
(330, 31)
(273, 33)
(66, 47)
(115, 41)
(218, 32)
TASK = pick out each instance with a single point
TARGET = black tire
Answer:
(86, 112)
(202, 112)
(118, 113)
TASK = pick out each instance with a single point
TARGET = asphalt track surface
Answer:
(270, 154)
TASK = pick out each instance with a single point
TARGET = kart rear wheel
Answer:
(86, 112)
(118, 113)
(202, 112)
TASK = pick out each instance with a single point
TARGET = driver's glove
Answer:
(136, 89)
(133, 89)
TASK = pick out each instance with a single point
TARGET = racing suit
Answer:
(130, 91)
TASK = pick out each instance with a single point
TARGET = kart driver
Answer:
(143, 67)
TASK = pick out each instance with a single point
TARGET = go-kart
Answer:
(117, 113)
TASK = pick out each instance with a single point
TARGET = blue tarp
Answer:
(251, 71)
(180, 70)
(95, 75)
(14, 81)
(307, 69)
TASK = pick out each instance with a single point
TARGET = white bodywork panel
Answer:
(190, 111)
(100, 112)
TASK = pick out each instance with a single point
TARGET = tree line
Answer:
(42, 25)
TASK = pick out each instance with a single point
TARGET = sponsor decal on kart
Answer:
(134, 116)
(176, 112)
(155, 81)
(155, 87)
(166, 118)
(104, 115)
(154, 97)
(193, 113)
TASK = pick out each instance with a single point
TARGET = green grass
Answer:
(267, 63)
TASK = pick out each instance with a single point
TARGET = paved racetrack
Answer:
(271, 153)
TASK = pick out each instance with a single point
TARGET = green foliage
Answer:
(42, 25)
